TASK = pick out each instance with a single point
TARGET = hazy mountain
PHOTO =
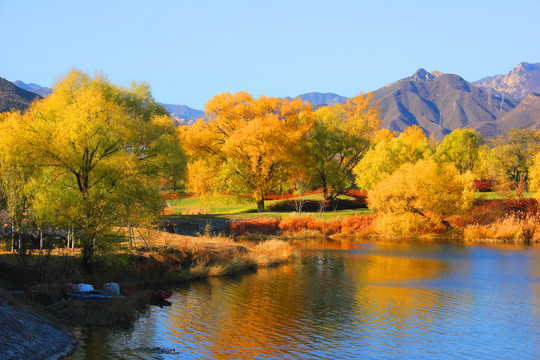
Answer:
(13, 97)
(517, 83)
(316, 98)
(440, 103)
(525, 115)
(184, 114)
(35, 88)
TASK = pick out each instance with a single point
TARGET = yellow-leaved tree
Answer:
(340, 137)
(100, 153)
(389, 153)
(418, 196)
(246, 146)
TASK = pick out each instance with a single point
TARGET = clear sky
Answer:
(189, 51)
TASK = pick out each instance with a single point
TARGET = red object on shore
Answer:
(161, 295)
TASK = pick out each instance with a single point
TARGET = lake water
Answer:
(372, 300)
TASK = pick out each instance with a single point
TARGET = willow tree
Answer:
(387, 154)
(246, 146)
(418, 196)
(461, 147)
(102, 152)
(340, 137)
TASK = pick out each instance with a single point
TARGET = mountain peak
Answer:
(517, 83)
(422, 75)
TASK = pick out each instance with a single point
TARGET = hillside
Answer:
(440, 103)
(525, 115)
(13, 97)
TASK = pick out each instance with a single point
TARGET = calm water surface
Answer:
(373, 300)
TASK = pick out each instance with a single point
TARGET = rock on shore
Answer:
(26, 335)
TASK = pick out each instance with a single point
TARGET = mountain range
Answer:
(13, 97)
(435, 101)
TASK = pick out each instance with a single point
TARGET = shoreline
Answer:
(26, 334)
(229, 252)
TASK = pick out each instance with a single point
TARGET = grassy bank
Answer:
(164, 260)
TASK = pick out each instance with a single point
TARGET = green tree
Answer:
(511, 155)
(389, 153)
(340, 137)
(419, 196)
(102, 152)
(461, 147)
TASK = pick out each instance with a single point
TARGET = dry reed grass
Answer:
(511, 228)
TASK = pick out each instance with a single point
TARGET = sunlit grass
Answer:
(492, 195)
(225, 205)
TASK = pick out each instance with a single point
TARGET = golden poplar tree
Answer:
(246, 146)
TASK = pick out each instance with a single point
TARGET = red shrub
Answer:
(483, 185)
(170, 195)
(357, 224)
(265, 225)
(356, 193)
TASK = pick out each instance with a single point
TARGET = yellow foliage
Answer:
(247, 144)
(420, 193)
(389, 153)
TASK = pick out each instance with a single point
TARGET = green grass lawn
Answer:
(229, 207)
(494, 195)
(225, 206)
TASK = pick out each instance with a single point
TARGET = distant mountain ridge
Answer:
(316, 98)
(35, 88)
(437, 102)
(183, 114)
(13, 97)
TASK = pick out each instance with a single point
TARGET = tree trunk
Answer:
(12, 235)
(260, 205)
(87, 253)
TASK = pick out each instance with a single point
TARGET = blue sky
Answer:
(189, 51)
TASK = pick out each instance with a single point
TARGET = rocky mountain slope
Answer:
(440, 103)
(517, 83)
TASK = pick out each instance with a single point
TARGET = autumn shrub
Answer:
(406, 224)
(315, 205)
(485, 212)
(167, 211)
(483, 185)
(511, 228)
(358, 224)
(299, 224)
(417, 198)
(264, 225)
(170, 195)
(356, 193)
(196, 210)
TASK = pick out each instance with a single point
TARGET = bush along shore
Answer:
(498, 220)
(161, 261)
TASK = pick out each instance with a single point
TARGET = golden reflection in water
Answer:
(261, 313)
